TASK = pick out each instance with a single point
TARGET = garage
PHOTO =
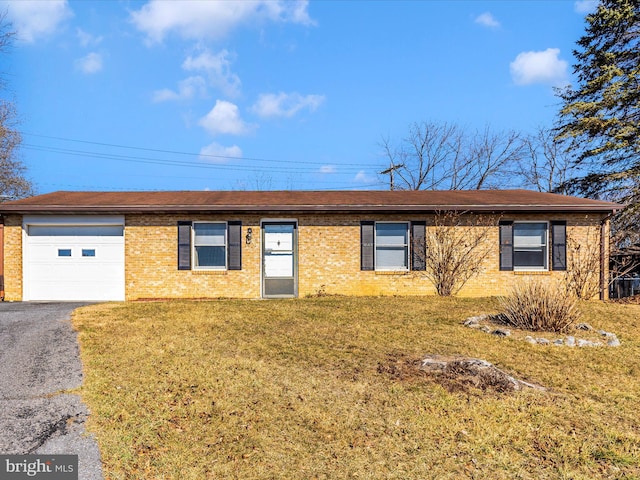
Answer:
(73, 258)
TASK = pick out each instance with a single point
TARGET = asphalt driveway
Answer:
(39, 357)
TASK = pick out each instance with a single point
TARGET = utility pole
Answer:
(390, 171)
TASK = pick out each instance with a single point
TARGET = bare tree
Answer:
(443, 156)
(491, 156)
(425, 157)
(546, 165)
(454, 250)
(13, 182)
(625, 240)
(7, 34)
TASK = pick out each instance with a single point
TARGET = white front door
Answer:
(74, 262)
(279, 265)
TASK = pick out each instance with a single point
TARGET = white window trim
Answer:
(545, 268)
(193, 246)
(407, 246)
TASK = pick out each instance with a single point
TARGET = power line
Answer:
(191, 154)
(224, 163)
(176, 163)
(373, 186)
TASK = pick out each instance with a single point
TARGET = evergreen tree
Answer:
(600, 117)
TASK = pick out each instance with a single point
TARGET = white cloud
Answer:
(539, 67)
(363, 177)
(197, 19)
(217, 153)
(218, 70)
(86, 39)
(34, 19)
(285, 104)
(224, 118)
(188, 88)
(488, 20)
(328, 169)
(586, 6)
(92, 63)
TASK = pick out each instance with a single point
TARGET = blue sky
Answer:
(163, 95)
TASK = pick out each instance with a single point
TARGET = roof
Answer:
(421, 201)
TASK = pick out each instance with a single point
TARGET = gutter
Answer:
(102, 209)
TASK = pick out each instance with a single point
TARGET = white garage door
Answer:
(74, 262)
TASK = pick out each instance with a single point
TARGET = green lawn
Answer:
(307, 389)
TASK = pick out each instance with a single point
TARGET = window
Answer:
(210, 245)
(88, 252)
(385, 245)
(392, 246)
(64, 252)
(530, 246)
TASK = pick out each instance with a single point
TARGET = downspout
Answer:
(1, 258)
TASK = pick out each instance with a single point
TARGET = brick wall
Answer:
(328, 258)
(151, 261)
(13, 258)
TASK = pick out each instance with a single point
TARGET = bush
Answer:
(539, 306)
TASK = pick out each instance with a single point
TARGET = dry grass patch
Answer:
(302, 389)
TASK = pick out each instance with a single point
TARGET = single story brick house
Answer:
(263, 244)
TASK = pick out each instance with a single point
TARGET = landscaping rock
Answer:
(475, 325)
(469, 322)
(501, 332)
(483, 322)
(588, 343)
(584, 326)
(474, 371)
(613, 342)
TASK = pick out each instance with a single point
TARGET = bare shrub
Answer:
(456, 247)
(583, 265)
(539, 306)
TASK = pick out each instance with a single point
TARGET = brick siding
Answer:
(13, 258)
(328, 258)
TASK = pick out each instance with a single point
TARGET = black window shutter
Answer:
(234, 252)
(366, 245)
(184, 245)
(418, 246)
(559, 245)
(506, 245)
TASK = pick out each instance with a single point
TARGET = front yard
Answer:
(310, 388)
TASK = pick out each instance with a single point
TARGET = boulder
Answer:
(474, 371)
